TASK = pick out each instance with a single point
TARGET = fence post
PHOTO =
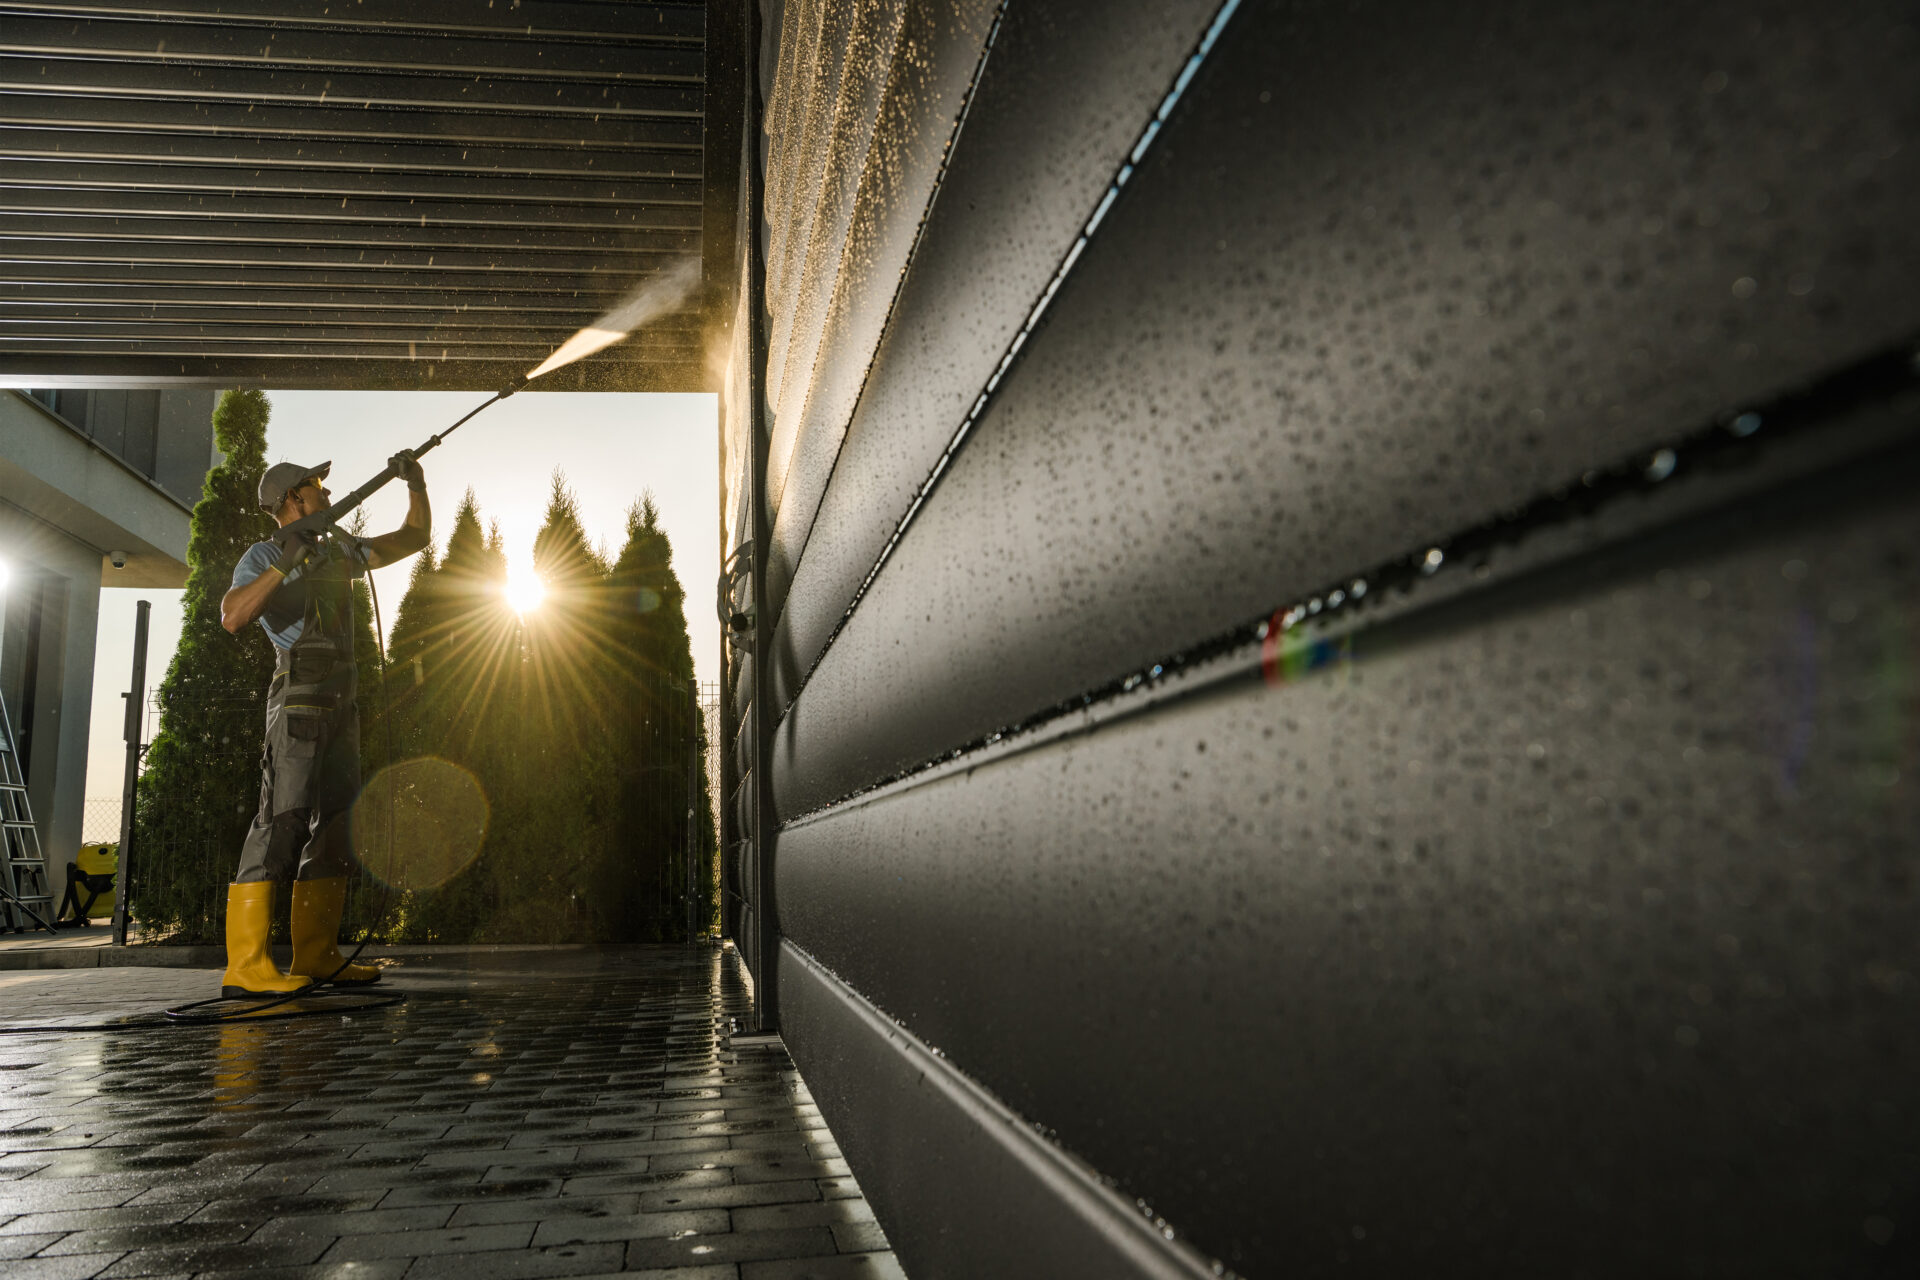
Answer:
(136, 697)
(692, 852)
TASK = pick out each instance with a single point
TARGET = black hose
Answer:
(257, 1010)
(184, 1012)
(184, 1015)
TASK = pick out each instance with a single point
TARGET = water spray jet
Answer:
(648, 302)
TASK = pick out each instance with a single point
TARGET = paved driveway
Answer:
(522, 1115)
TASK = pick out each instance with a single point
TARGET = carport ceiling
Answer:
(361, 193)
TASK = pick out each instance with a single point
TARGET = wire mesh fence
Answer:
(100, 820)
(187, 832)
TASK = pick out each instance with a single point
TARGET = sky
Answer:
(610, 448)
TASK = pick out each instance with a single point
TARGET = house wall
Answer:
(116, 478)
(166, 436)
(60, 576)
(1342, 595)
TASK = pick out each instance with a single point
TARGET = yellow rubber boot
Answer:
(317, 906)
(250, 968)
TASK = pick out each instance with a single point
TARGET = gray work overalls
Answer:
(310, 767)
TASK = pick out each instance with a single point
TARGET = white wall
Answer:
(63, 691)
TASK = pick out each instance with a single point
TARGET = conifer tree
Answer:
(453, 642)
(410, 620)
(377, 750)
(202, 779)
(366, 658)
(568, 639)
(661, 725)
(549, 755)
(447, 640)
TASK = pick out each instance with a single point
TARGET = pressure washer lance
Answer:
(312, 528)
(325, 522)
(617, 324)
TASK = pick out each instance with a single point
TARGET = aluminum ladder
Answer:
(24, 899)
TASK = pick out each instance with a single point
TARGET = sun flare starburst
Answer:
(524, 590)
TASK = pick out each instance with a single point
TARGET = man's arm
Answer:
(416, 531)
(245, 603)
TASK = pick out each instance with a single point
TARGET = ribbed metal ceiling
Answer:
(360, 193)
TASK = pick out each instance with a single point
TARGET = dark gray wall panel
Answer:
(1014, 198)
(938, 1156)
(1455, 257)
(185, 443)
(842, 307)
(1569, 927)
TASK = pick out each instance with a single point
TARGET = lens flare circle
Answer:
(437, 814)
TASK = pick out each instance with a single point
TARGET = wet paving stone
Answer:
(521, 1115)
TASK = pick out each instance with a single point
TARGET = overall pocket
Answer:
(294, 754)
(307, 717)
(312, 659)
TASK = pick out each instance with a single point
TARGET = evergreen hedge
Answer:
(574, 722)
(202, 779)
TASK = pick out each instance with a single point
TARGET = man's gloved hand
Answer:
(296, 548)
(407, 467)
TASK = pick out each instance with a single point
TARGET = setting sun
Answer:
(524, 590)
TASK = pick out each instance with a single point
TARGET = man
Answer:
(300, 591)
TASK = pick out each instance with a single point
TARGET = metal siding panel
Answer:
(858, 156)
(398, 160)
(295, 124)
(428, 220)
(677, 22)
(450, 318)
(938, 53)
(267, 86)
(394, 254)
(786, 80)
(797, 156)
(1491, 267)
(272, 151)
(152, 175)
(1012, 200)
(677, 232)
(1571, 919)
(489, 283)
(295, 373)
(293, 45)
(937, 1156)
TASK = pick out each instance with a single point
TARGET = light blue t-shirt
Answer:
(261, 556)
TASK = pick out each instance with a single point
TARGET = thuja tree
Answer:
(376, 748)
(449, 642)
(577, 723)
(548, 758)
(659, 731)
(202, 780)
(454, 650)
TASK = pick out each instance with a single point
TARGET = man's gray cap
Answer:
(283, 478)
